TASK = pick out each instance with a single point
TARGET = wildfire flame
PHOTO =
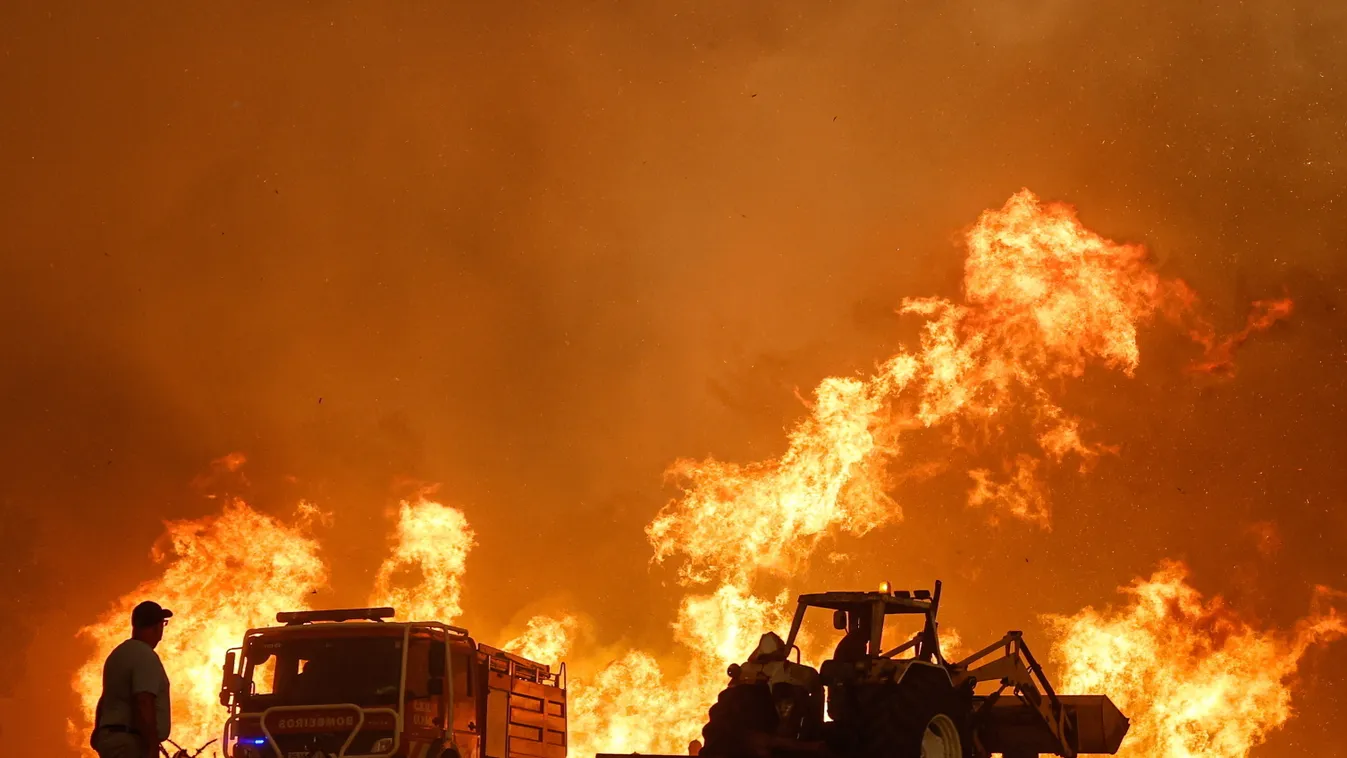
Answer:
(1195, 679)
(422, 577)
(1220, 355)
(630, 707)
(545, 639)
(223, 575)
(1043, 298)
(235, 571)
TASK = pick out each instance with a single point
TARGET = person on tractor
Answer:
(855, 643)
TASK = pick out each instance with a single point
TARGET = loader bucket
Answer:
(1009, 726)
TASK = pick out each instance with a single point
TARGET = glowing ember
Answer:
(223, 575)
(422, 578)
(1195, 678)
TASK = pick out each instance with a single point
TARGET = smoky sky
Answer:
(534, 252)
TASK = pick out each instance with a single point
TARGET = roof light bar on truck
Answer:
(294, 618)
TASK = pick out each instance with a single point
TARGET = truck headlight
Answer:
(383, 745)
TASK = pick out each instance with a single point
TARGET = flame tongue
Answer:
(1194, 678)
(545, 640)
(225, 574)
(1044, 297)
(422, 578)
(1220, 352)
(1049, 294)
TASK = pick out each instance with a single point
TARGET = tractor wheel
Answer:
(922, 716)
(740, 712)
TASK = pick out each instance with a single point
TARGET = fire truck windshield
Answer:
(290, 670)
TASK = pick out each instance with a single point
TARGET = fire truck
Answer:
(351, 683)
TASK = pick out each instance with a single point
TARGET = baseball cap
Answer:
(149, 613)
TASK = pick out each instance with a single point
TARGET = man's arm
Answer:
(145, 723)
(147, 684)
(98, 720)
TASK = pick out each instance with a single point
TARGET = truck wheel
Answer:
(740, 712)
(922, 716)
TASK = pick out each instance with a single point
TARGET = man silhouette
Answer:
(133, 715)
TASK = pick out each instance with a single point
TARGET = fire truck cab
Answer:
(351, 684)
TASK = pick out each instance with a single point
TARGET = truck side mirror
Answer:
(840, 620)
(436, 685)
(437, 659)
(228, 679)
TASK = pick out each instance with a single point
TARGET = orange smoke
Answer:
(223, 575)
(1194, 677)
(422, 577)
